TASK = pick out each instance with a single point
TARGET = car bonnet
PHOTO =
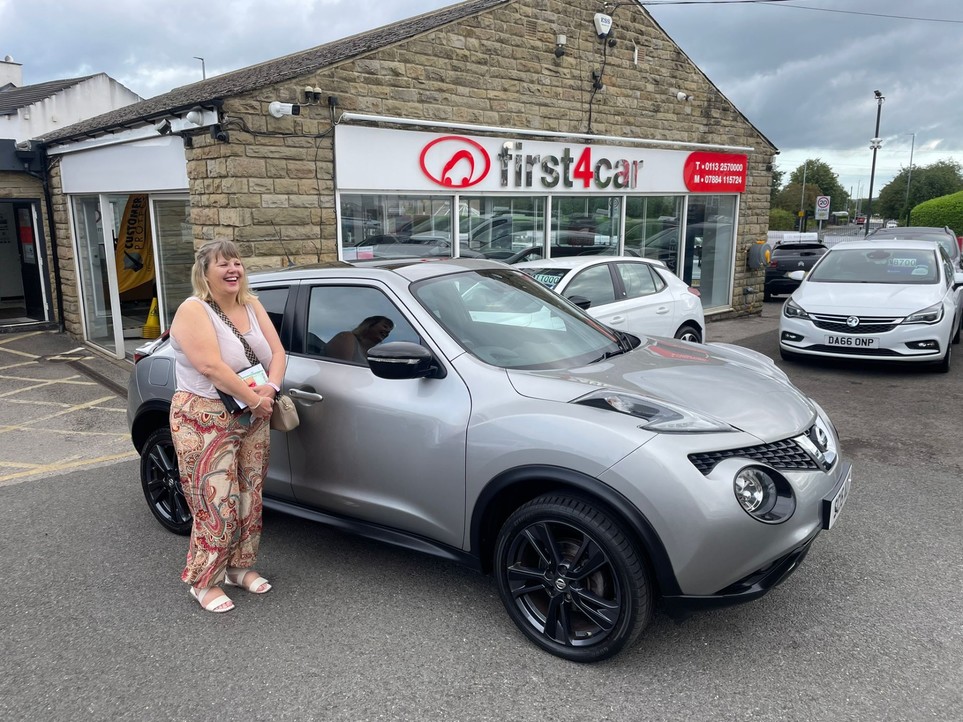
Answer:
(747, 394)
(871, 299)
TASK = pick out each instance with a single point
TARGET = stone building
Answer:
(502, 128)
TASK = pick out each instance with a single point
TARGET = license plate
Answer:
(853, 341)
(834, 503)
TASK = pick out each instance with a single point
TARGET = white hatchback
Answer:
(638, 295)
(889, 300)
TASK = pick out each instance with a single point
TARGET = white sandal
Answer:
(212, 606)
(236, 579)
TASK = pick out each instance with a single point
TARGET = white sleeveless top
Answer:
(232, 352)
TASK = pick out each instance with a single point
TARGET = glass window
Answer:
(709, 247)
(395, 226)
(638, 279)
(345, 321)
(92, 260)
(501, 226)
(585, 225)
(175, 249)
(274, 300)
(652, 225)
(594, 283)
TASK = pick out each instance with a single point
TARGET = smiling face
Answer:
(224, 276)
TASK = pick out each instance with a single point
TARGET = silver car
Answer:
(591, 471)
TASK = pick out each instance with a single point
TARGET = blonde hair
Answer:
(209, 252)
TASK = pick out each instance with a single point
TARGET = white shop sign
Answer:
(378, 159)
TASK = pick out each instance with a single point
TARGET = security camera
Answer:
(219, 134)
(23, 145)
(279, 110)
(164, 127)
(877, 94)
(603, 25)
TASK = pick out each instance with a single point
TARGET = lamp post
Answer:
(874, 143)
(203, 69)
(802, 199)
(909, 178)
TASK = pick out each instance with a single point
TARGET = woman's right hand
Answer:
(263, 409)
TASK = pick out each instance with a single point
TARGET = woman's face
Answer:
(378, 332)
(224, 275)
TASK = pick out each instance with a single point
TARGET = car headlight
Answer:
(794, 310)
(931, 314)
(658, 415)
(764, 495)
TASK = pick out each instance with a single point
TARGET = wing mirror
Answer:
(404, 360)
(796, 275)
(581, 301)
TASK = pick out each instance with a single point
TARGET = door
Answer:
(648, 306)
(389, 452)
(23, 288)
(97, 274)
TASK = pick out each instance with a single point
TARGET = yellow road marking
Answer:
(41, 385)
(65, 465)
(48, 381)
(77, 407)
(19, 353)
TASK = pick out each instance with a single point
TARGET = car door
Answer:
(596, 283)
(648, 306)
(388, 452)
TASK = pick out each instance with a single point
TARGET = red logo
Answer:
(454, 161)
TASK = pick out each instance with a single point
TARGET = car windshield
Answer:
(507, 319)
(903, 266)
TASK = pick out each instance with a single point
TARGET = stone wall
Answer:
(271, 186)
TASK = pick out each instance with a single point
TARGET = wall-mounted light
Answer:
(560, 41)
(312, 94)
(195, 116)
(683, 97)
(279, 110)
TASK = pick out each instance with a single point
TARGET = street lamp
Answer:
(909, 178)
(874, 143)
(203, 69)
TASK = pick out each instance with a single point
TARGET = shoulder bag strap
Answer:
(248, 351)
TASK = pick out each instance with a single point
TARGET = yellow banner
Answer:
(134, 254)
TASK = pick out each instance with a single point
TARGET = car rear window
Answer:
(550, 277)
(790, 247)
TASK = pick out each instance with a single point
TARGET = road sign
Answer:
(822, 208)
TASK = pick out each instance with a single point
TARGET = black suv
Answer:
(787, 257)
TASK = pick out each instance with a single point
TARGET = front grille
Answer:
(785, 454)
(854, 351)
(867, 324)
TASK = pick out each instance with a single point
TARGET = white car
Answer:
(890, 300)
(638, 295)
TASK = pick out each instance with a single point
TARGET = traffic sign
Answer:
(822, 208)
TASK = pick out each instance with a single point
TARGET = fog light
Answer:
(929, 345)
(789, 336)
(764, 494)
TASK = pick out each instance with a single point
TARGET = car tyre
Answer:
(956, 336)
(943, 365)
(689, 332)
(161, 481)
(571, 579)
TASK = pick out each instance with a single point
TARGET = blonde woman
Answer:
(223, 456)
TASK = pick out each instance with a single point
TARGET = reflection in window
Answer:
(652, 228)
(593, 283)
(395, 226)
(499, 227)
(175, 246)
(345, 321)
(585, 225)
(709, 247)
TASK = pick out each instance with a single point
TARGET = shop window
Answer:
(175, 248)
(585, 225)
(652, 228)
(499, 227)
(710, 247)
(395, 226)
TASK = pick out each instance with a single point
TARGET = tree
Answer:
(933, 181)
(777, 176)
(824, 179)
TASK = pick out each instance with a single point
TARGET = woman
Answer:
(354, 345)
(223, 457)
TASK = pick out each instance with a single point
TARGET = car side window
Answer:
(594, 283)
(343, 321)
(274, 300)
(639, 280)
(947, 267)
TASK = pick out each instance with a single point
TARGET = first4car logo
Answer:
(455, 161)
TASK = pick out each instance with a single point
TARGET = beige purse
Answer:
(284, 417)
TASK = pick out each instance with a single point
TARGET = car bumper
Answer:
(780, 284)
(917, 342)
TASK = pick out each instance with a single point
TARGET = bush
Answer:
(942, 211)
(780, 220)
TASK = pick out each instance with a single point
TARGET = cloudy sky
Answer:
(803, 71)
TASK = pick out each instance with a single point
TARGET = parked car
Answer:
(786, 258)
(889, 300)
(944, 236)
(631, 294)
(891, 224)
(390, 246)
(591, 471)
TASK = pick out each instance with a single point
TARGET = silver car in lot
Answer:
(593, 472)
(889, 300)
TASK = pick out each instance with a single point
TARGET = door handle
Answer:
(305, 395)
(617, 319)
(662, 309)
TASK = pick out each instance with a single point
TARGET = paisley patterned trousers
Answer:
(222, 463)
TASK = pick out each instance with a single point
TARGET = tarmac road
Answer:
(96, 625)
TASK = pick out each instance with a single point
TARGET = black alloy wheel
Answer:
(161, 481)
(571, 580)
(689, 332)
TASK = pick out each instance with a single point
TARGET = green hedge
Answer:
(942, 211)
(780, 220)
